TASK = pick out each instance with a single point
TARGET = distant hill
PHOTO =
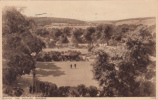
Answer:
(42, 21)
(145, 21)
(50, 22)
(63, 22)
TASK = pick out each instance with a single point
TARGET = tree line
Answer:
(103, 33)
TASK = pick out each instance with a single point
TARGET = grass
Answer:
(58, 73)
(61, 74)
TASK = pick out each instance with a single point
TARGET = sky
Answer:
(89, 10)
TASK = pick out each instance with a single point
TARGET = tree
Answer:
(55, 33)
(105, 73)
(122, 78)
(42, 32)
(96, 36)
(19, 42)
(64, 39)
(107, 32)
(88, 34)
(76, 35)
(67, 31)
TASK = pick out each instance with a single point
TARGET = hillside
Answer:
(53, 22)
(145, 21)
(42, 21)
(54, 28)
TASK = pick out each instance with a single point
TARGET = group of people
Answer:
(71, 66)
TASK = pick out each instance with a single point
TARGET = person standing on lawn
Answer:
(33, 89)
(71, 66)
(75, 65)
(30, 89)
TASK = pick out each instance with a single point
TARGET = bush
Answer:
(16, 91)
(82, 90)
(53, 90)
(64, 91)
(7, 90)
(93, 91)
(74, 93)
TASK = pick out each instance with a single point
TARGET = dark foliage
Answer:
(19, 42)
(122, 78)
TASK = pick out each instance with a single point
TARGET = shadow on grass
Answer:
(22, 82)
(48, 68)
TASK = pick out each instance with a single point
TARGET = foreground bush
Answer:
(15, 91)
(51, 90)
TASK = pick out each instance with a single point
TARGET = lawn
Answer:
(61, 74)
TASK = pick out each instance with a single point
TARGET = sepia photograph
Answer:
(79, 48)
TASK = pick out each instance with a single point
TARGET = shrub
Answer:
(64, 91)
(16, 91)
(93, 91)
(53, 90)
(82, 90)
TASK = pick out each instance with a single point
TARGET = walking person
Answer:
(30, 89)
(71, 66)
(33, 88)
(75, 65)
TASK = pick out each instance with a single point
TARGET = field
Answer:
(61, 74)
